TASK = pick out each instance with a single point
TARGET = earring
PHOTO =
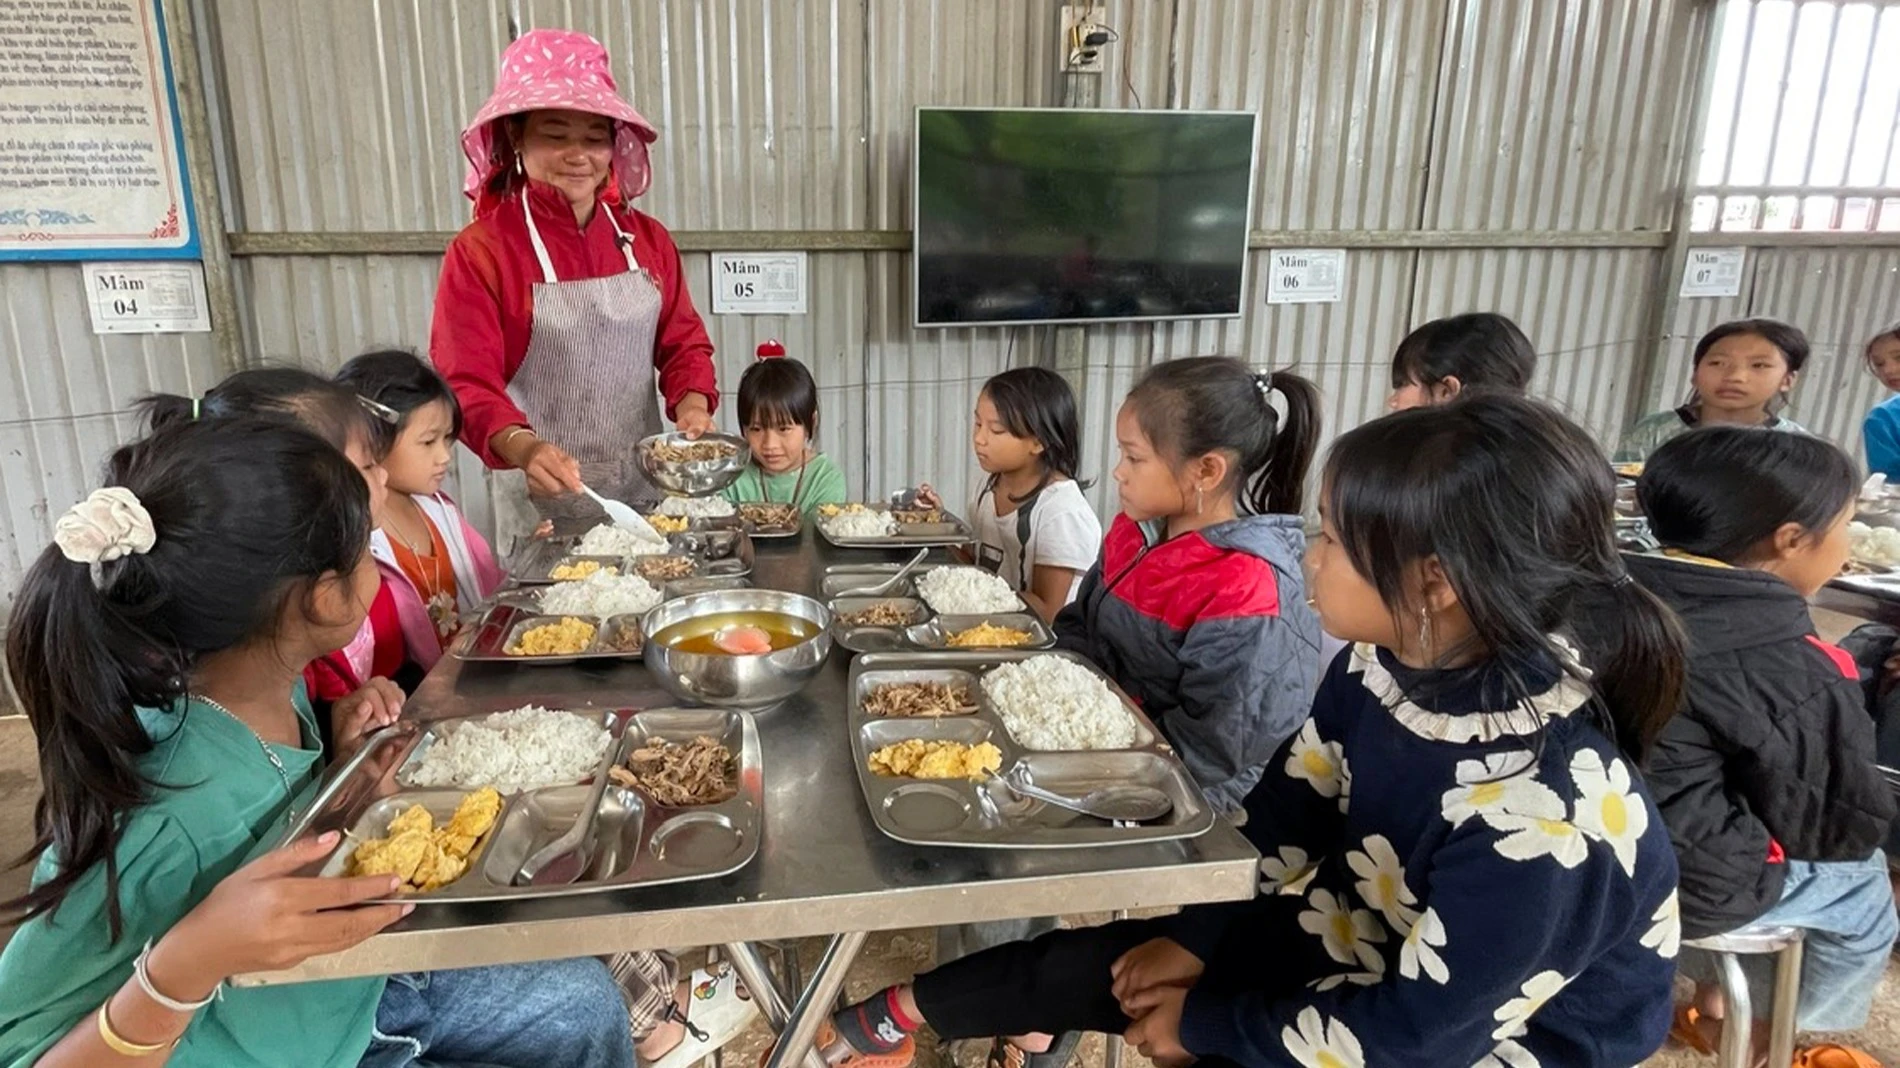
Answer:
(1424, 631)
(1200, 499)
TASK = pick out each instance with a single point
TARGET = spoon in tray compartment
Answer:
(1115, 802)
(562, 861)
(891, 583)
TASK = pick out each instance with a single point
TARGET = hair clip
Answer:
(771, 349)
(380, 410)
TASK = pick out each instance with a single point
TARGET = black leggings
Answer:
(1052, 984)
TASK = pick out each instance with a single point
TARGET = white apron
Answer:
(586, 384)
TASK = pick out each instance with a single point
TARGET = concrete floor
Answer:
(888, 957)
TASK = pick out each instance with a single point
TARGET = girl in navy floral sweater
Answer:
(1461, 864)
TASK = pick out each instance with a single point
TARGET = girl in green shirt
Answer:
(157, 648)
(778, 413)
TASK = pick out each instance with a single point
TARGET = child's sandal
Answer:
(1830, 1055)
(1684, 1031)
(839, 1054)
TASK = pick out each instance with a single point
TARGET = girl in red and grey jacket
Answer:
(1198, 605)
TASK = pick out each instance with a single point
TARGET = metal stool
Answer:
(1785, 944)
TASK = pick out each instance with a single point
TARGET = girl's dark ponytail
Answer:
(331, 411)
(244, 514)
(1277, 482)
(161, 410)
(1638, 653)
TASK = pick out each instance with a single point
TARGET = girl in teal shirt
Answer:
(778, 413)
(157, 647)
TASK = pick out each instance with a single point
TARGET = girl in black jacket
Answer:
(1766, 777)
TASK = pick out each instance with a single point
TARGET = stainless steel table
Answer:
(822, 867)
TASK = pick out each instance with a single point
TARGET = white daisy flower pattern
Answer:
(1355, 978)
(1497, 784)
(1288, 873)
(1508, 1055)
(1665, 933)
(1419, 954)
(1317, 762)
(1514, 1016)
(1347, 933)
(1530, 837)
(1606, 807)
(1322, 1043)
(1382, 881)
(1345, 784)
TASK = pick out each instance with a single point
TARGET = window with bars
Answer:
(1803, 130)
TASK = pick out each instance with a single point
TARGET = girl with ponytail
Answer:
(157, 648)
(1198, 605)
(1460, 864)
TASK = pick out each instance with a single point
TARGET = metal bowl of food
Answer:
(693, 467)
(747, 649)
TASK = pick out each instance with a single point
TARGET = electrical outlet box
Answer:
(1078, 22)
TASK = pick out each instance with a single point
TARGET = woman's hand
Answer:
(928, 498)
(372, 707)
(551, 471)
(262, 918)
(693, 415)
(1158, 964)
(1157, 1035)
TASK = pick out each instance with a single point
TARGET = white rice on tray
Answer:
(600, 595)
(525, 749)
(610, 540)
(697, 507)
(966, 591)
(1051, 702)
(860, 523)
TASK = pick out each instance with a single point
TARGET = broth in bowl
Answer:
(738, 633)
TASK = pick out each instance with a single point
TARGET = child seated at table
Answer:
(156, 647)
(1197, 607)
(1445, 357)
(778, 414)
(1461, 864)
(1034, 528)
(1744, 372)
(1766, 776)
(438, 567)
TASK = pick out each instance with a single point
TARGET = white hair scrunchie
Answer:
(108, 525)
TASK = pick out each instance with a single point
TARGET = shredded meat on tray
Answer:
(697, 452)
(882, 614)
(699, 772)
(904, 700)
(770, 515)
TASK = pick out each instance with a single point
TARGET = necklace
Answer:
(443, 611)
(269, 753)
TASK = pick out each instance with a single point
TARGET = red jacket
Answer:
(484, 304)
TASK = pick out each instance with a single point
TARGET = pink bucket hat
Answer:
(558, 69)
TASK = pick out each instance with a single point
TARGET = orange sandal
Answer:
(1830, 1055)
(839, 1054)
(1685, 1031)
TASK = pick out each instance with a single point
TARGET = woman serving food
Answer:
(562, 319)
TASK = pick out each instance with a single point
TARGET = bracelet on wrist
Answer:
(144, 976)
(123, 1046)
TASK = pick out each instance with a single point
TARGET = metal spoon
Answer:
(562, 861)
(1116, 802)
(624, 516)
(891, 583)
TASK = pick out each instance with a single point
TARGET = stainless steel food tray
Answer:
(957, 812)
(716, 552)
(637, 841)
(760, 530)
(488, 640)
(952, 531)
(840, 578)
(927, 631)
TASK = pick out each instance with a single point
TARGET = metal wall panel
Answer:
(64, 401)
(1561, 115)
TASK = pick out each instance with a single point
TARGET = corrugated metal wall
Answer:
(1488, 119)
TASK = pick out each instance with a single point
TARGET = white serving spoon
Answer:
(625, 517)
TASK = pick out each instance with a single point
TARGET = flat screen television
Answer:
(1064, 215)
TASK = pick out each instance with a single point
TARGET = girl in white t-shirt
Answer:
(1033, 526)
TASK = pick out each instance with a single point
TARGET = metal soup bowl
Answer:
(724, 680)
(699, 479)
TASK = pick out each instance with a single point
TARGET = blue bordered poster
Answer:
(91, 163)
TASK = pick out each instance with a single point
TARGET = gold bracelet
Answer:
(120, 1045)
(510, 435)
